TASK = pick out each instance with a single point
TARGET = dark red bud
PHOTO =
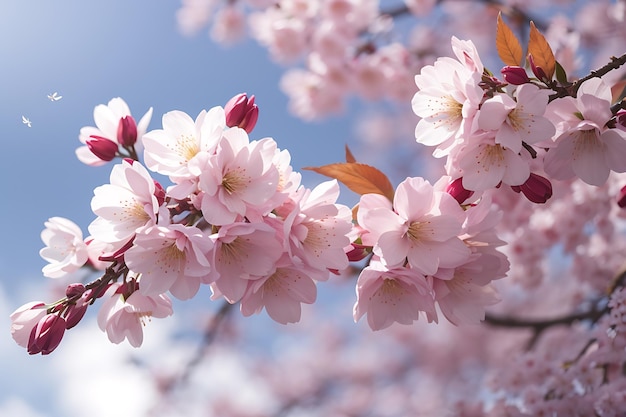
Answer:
(103, 148)
(46, 335)
(515, 75)
(536, 189)
(456, 190)
(241, 112)
(127, 131)
(538, 71)
(74, 290)
(76, 311)
(358, 252)
(159, 192)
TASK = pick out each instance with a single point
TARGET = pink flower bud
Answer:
(46, 335)
(103, 148)
(127, 131)
(74, 290)
(538, 71)
(242, 112)
(515, 75)
(75, 312)
(159, 192)
(536, 189)
(24, 319)
(621, 198)
(456, 190)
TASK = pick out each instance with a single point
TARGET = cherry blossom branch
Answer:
(539, 325)
(210, 333)
(571, 90)
(613, 65)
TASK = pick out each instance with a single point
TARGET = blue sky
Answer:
(90, 52)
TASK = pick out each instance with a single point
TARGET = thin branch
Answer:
(613, 65)
(539, 325)
(209, 336)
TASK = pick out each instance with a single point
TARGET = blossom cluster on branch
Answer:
(517, 149)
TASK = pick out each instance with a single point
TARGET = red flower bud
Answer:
(74, 290)
(241, 112)
(75, 312)
(103, 148)
(515, 75)
(358, 252)
(538, 71)
(127, 131)
(536, 189)
(46, 335)
(456, 190)
(159, 192)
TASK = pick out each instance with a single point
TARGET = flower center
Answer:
(585, 142)
(234, 181)
(187, 147)
(419, 231)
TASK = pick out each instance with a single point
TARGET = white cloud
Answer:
(17, 407)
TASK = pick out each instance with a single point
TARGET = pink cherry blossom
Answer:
(447, 102)
(96, 249)
(238, 179)
(463, 297)
(282, 292)
(242, 252)
(24, 319)
(65, 249)
(317, 228)
(519, 120)
(123, 317)
(170, 258)
(169, 150)
(229, 25)
(107, 118)
(483, 163)
(586, 148)
(467, 54)
(422, 228)
(310, 95)
(124, 205)
(392, 295)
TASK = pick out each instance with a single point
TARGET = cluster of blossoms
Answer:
(492, 135)
(344, 45)
(427, 253)
(236, 218)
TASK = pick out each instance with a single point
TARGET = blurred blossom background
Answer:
(91, 52)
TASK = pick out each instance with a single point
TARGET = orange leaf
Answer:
(540, 49)
(509, 48)
(349, 156)
(360, 178)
